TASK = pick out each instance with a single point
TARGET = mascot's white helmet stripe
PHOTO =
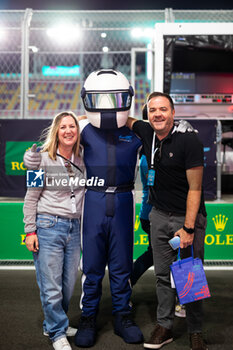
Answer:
(106, 80)
(107, 97)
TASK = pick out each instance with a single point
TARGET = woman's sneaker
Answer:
(62, 344)
(69, 333)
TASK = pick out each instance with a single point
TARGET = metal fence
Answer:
(46, 55)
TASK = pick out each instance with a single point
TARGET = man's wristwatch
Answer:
(188, 230)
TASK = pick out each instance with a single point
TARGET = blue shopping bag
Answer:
(190, 279)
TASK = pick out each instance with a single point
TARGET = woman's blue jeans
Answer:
(56, 264)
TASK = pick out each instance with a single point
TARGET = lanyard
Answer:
(71, 162)
(153, 151)
(72, 196)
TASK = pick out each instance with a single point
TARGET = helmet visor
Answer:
(97, 101)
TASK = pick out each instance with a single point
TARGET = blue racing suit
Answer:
(108, 220)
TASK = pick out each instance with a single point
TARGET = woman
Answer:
(52, 225)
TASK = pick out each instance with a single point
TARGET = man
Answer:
(175, 161)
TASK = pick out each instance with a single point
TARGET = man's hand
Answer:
(186, 239)
(130, 122)
(32, 243)
(194, 177)
(81, 117)
(32, 158)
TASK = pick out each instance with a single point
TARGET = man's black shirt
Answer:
(175, 154)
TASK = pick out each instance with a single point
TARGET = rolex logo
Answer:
(220, 222)
(137, 223)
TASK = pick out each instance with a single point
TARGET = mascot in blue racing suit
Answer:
(110, 153)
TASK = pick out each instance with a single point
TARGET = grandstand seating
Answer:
(142, 90)
(52, 96)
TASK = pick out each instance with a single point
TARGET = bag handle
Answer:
(179, 254)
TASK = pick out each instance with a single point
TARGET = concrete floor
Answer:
(21, 315)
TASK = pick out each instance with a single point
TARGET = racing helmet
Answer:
(107, 97)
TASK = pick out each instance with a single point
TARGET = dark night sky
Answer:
(113, 4)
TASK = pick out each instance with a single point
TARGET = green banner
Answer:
(219, 233)
(218, 240)
(14, 157)
(12, 232)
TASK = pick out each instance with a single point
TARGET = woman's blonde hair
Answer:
(50, 135)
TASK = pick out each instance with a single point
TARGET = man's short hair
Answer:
(144, 112)
(163, 94)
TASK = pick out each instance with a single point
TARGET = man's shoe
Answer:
(61, 344)
(197, 342)
(69, 333)
(126, 328)
(159, 337)
(87, 332)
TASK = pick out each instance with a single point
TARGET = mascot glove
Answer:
(32, 158)
(184, 126)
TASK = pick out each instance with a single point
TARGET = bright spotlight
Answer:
(105, 49)
(103, 35)
(64, 33)
(136, 32)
